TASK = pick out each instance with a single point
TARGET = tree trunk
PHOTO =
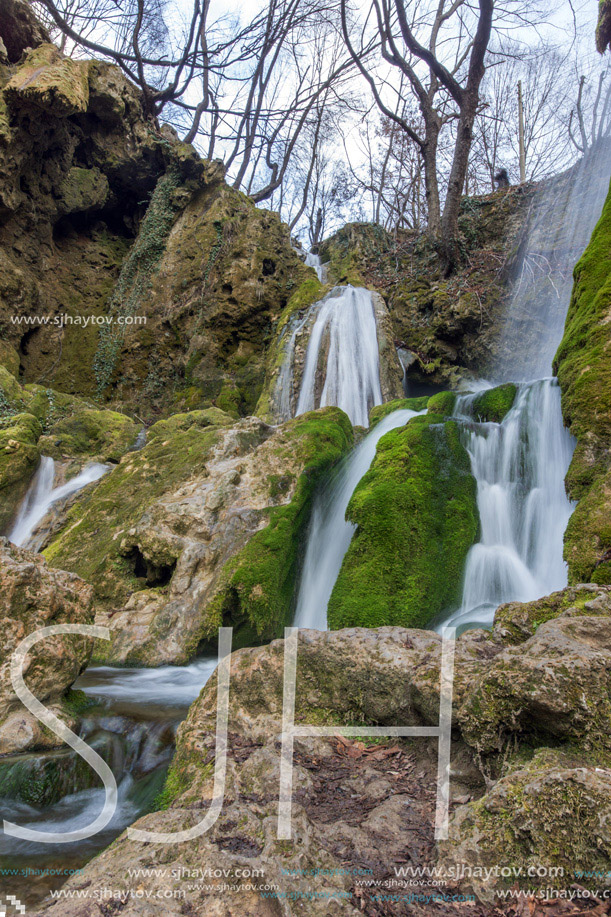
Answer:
(431, 185)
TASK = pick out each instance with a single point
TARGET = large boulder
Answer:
(203, 524)
(33, 595)
(416, 517)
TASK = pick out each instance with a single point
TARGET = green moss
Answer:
(493, 404)
(105, 435)
(136, 275)
(9, 358)
(380, 411)
(89, 543)
(19, 457)
(443, 404)
(583, 366)
(258, 585)
(416, 517)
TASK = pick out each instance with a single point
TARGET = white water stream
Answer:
(330, 534)
(520, 466)
(346, 324)
(41, 496)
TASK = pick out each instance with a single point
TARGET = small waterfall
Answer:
(519, 466)
(346, 324)
(314, 261)
(41, 496)
(330, 534)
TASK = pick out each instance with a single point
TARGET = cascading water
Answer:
(346, 325)
(520, 466)
(330, 534)
(564, 213)
(132, 724)
(41, 496)
(314, 261)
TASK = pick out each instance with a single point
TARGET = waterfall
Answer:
(330, 534)
(346, 325)
(314, 261)
(519, 466)
(41, 496)
(563, 215)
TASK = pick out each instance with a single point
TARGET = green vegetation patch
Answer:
(583, 366)
(19, 457)
(258, 585)
(416, 517)
(380, 411)
(495, 403)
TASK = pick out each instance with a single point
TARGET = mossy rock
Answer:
(9, 358)
(258, 584)
(176, 450)
(13, 399)
(19, 455)
(495, 403)
(104, 435)
(549, 812)
(83, 190)
(442, 403)
(380, 411)
(46, 80)
(583, 366)
(516, 622)
(416, 517)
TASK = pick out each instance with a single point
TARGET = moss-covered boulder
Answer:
(554, 687)
(101, 435)
(546, 821)
(32, 596)
(495, 403)
(583, 366)
(416, 517)
(19, 455)
(200, 527)
(516, 622)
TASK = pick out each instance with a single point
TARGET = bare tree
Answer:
(415, 43)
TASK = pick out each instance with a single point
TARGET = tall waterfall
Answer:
(564, 213)
(330, 534)
(346, 325)
(519, 466)
(41, 496)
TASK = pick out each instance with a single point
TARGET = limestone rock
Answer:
(32, 595)
(49, 82)
(203, 523)
(556, 684)
(552, 811)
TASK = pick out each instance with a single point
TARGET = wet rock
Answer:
(202, 524)
(33, 595)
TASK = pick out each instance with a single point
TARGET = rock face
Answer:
(95, 202)
(416, 517)
(32, 595)
(37, 421)
(355, 804)
(583, 367)
(200, 526)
